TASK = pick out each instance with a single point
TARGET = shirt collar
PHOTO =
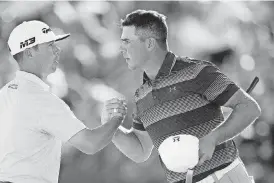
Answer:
(33, 78)
(165, 67)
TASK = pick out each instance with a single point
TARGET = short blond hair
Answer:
(148, 23)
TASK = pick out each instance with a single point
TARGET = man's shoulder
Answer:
(183, 62)
(23, 86)
(38, 94)
(9, 87)
(51, 98)
(51, 104)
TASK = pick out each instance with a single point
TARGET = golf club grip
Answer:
(252, 85)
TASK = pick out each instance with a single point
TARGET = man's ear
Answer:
(28, 53)
(150, 43)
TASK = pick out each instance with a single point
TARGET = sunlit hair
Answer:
(148, 24)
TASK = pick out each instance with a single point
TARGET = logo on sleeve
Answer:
(13, 86)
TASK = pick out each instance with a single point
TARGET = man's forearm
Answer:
(102, 135)
(129, 144)
(240, 118)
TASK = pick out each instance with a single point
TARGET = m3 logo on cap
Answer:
(45, 30)
(27, 42)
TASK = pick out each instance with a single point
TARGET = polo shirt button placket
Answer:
(155, 99)
(153, 88)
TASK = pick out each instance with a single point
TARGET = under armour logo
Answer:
(176, 139)
(172, 88)
(46, 30)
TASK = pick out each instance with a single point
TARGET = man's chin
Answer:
(52, 70)
(131, 67)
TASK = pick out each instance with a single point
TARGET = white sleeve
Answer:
(58, 120)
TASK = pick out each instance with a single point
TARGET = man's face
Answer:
(133, 49)
(48, 57)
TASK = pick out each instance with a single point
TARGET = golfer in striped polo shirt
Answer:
(180, 95)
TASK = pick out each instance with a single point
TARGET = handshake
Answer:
(114, 108)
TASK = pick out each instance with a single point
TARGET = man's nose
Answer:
(122, 49)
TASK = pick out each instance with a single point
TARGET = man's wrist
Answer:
(117, 119)
(116, 134)
(120, 130)
(215, 135)
(112, 125)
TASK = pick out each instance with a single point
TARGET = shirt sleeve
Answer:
(58, 120)
(137, 123)
(215, 86)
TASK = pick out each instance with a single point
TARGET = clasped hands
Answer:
(114, 108)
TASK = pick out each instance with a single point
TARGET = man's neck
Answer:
(31, 72)
(154, 64)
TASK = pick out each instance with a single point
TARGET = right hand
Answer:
(113, 108)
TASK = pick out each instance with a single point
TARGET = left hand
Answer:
(109, 108)
(207, 146)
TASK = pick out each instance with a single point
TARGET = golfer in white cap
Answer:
(34, 122)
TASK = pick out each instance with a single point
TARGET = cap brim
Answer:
(61, 37)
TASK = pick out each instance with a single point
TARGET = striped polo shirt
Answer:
(185, 98)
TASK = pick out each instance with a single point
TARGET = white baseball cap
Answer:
(180, 153)
(29, 34)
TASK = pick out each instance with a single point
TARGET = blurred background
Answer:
(237, 36)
